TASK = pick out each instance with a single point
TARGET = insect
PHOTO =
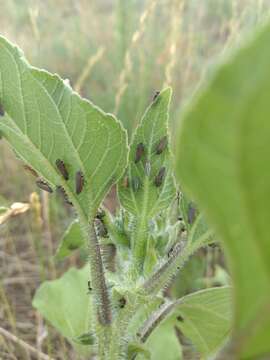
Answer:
(180, 318)
(161, 146)
(42, 184)
(160, 177)
(61, 190)
(122, 302)
(31, 170)
(191, 214)
(89, 285)
(147, 168)
(136, 183)
(125, 182)
(156, 95)
(79, 182)
(100, 214)
(2, 111)
(139, 152)
(62, 168)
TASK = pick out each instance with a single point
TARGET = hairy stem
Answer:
(139, 242)
(163, 275)
(98, 283)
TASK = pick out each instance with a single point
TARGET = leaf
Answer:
(222, 161)
(163, 343)
(71, 240)
(137, 348)
(200, 234)
(65, 303)
(137, 190)
(45, 120)
(205, 318)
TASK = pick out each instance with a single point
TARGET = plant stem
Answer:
(100, 292)
(163, 275)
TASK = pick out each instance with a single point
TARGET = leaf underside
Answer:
(45, 121)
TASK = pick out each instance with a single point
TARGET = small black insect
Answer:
(161, 146)
(125, 182)
(160, 177)
(122, 302)
(79, 182)
(62, 168)
(139, 152)
(180, 318)
(42, 184)
(61, 191)
(100, 214)
(156, 95)
(2, 111)
(136, 183)
(89, 285)
(30, 170)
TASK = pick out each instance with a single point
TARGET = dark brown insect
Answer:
(156, 95)
(122, 302)
(31, 170)
(161, 146)
(139, 152)
(79, 182)
(2, 111)
(136, 183)
(125, 182)
(89, 285)
(61, 191)
(160, 177)
(180, 318)
(43, 185)
(62, 168)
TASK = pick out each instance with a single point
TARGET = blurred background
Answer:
(116, 53)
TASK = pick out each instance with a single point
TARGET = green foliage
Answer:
(222, 157)
(71, 241)
(66, 305)
(205, 318)
(51, 122)
(138, 191)
(164, 344)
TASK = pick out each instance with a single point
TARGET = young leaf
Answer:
(222, 158)
(141, 191)
(65, 303)
(44, 120)
(71, 240)
(205, 318)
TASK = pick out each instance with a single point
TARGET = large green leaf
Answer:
(45, 120)
(222, 161)
(65, 303)
(144, 199)
(205, 318)
(163, 343)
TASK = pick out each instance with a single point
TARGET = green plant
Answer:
(222, 155)
(118, 309)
